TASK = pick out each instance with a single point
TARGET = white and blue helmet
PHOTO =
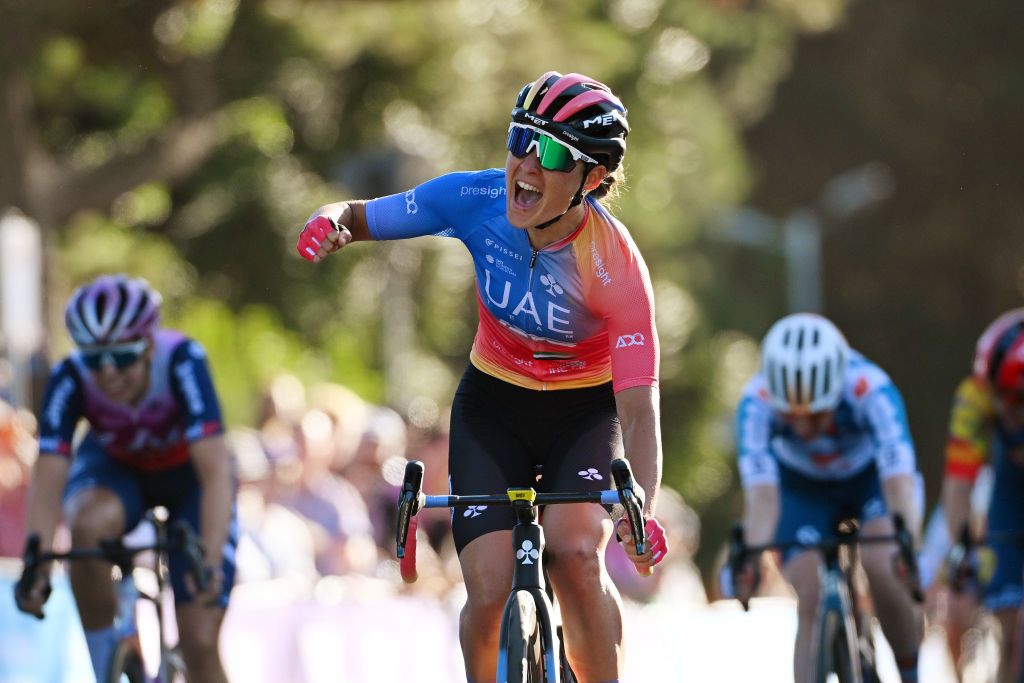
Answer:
(803, 360)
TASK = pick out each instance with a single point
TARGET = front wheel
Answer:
(837, 651)
(520, 659)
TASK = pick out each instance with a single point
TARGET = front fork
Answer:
(528, 549)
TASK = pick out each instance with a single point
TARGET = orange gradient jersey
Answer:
(577, 313)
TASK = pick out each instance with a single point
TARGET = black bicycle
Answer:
(530, 641)
(845, 644)
(127, 664)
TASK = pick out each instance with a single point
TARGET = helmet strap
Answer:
(576, 200)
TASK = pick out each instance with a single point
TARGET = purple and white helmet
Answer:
(112, 309)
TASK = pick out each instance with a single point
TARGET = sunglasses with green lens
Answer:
(552, 154)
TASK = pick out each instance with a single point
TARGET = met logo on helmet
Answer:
(599, 120)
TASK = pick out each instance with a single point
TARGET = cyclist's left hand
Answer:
(215, 584)
(654, 553)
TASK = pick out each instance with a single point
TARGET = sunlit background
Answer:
(861, 158)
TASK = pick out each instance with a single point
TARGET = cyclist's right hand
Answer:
(31, 593)
(746, 581)
(321, 236)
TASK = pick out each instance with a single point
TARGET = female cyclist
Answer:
(563, 372)
(155, 438)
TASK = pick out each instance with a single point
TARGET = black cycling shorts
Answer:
(500, 434)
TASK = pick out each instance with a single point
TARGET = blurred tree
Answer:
(188, 140)
(936, 93)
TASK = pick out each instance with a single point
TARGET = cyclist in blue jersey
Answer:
(564, 368)
(822, 436)
(155, 438)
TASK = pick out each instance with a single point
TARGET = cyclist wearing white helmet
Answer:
(155, 438)
(822, 436)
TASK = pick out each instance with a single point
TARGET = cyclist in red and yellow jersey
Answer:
(987, 425)
(564, 368)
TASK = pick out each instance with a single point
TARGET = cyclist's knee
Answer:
(574, 564)
(93, 515)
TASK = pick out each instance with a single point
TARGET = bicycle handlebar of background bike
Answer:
(740, 552)
(961, 570)
(181, 537)
(412, 499)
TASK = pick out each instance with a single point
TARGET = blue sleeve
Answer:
(193, 389)
(887, 421)
(62, 407)
(757, 465)
(449, 206)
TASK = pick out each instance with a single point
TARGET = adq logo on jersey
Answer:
(636, 339)
(410, 202)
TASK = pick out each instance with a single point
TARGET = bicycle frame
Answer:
(528, 544)
(528, 575)
(841, 635)
(179, 537)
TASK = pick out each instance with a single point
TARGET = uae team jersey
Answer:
(870, 425)
(577, 313)
(179, 408)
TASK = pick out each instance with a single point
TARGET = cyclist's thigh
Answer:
(485, 455)
(877, 557)
(179, 491)
(103, 489)
(801, 571)
(579, 461)
(487, 564)
(809, 509)
(579, 458)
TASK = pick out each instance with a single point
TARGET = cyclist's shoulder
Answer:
(754, 394)
(974, 394)
(863, 379)
(177, 346)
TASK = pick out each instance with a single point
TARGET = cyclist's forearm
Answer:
(49, 476)
(641, 436)
(761, 513)
(956, 504)
(901, 497)
(213, 468)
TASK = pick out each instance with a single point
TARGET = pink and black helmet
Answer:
(112, 309)
(578, 110)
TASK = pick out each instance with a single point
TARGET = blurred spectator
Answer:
(17, 453)
(677, 578)
(274, 542)
(377, 468)
(337, 514)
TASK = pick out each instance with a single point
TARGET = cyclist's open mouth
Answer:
(526, 195)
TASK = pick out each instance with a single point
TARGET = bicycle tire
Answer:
(836, 651)
(126, 665)
(524, 656)
(174, 667)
